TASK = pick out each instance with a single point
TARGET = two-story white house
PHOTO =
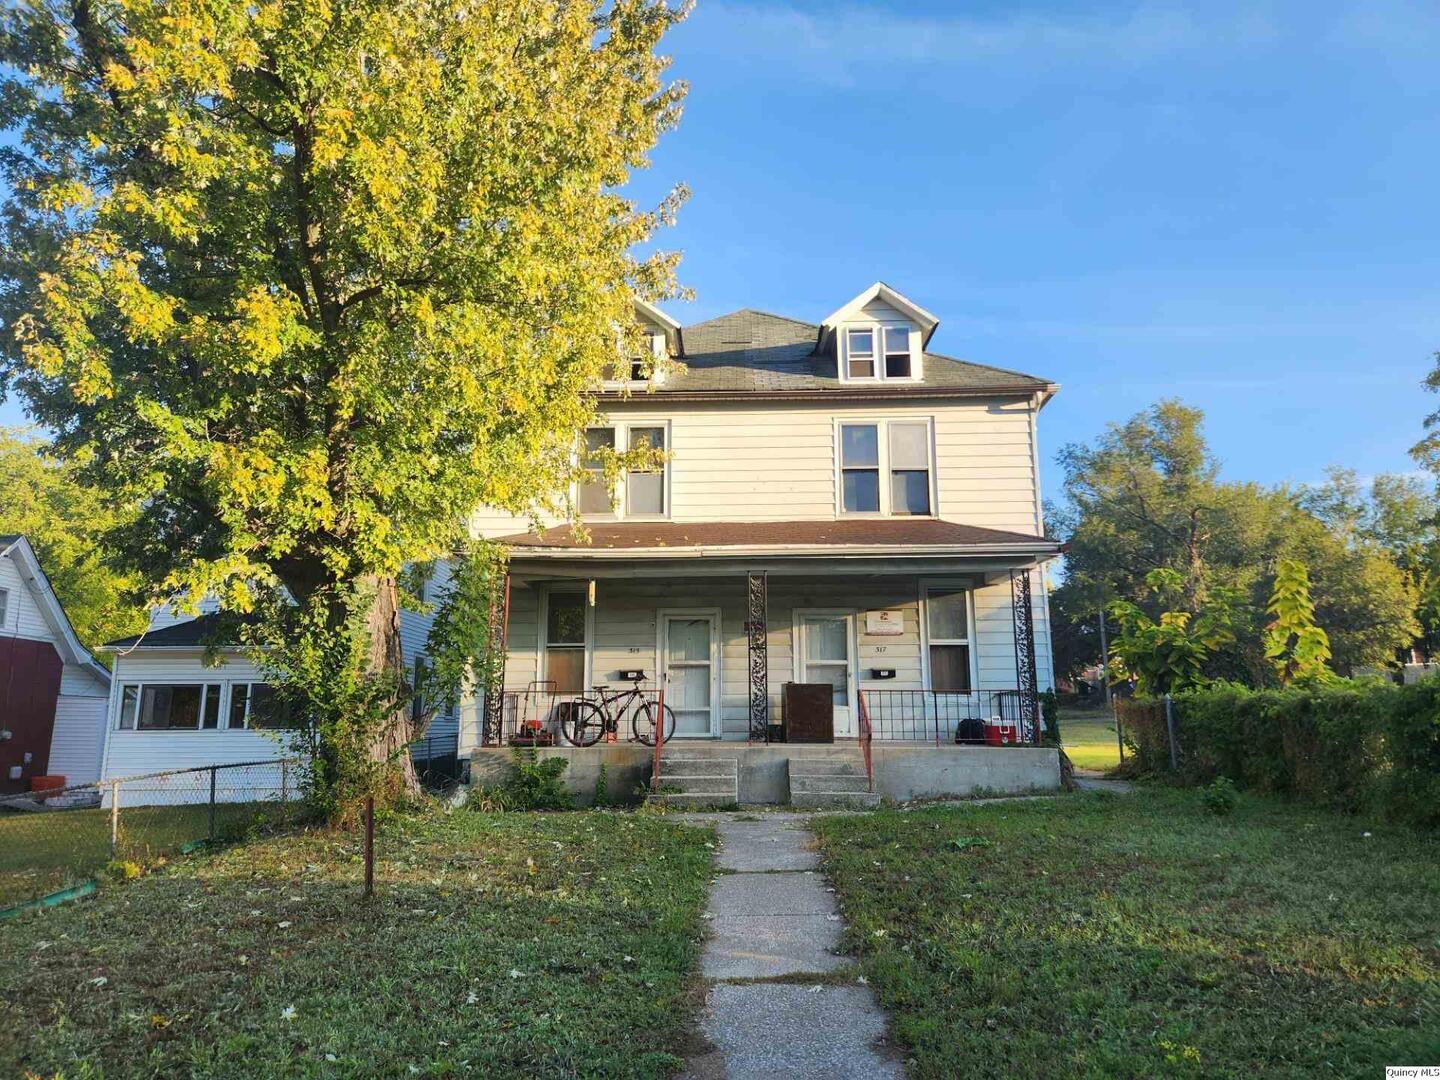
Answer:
(839, 506)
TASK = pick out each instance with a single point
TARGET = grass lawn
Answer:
(42, 853)
(515, 945)
(1089, 738)
(1103, 935)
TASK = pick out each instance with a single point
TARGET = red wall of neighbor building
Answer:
(29, 687)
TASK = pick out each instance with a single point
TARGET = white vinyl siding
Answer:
(773, 462)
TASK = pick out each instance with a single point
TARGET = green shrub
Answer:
(602, 786)
(1050, 714)
(1348, 745)
(534, 784)
(1219, 798)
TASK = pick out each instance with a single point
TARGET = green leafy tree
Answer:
(1168, 653)
(299, 286)
(66, 523)
(1294, 644)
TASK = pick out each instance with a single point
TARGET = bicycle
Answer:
(584, 721)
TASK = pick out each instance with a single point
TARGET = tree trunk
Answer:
(392, 740)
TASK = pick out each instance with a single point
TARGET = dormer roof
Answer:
(648, 313)
(885, 295)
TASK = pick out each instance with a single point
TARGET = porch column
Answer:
(1023, 619)
(757, 602)
(492, 723)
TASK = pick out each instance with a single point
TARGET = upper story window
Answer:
(641, 493)
(879, 352)
(638, 369)
(4, 606)
(885, 467)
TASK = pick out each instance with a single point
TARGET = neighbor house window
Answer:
(170, 707)
(860, 353)
(565, 641)
(947, 623)
(897, 451)
(255, 706)
(595, 496)
(897, 352)
(4, 605)
(645, 488)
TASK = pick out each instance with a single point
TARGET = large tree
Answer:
(66, 522)
(305, 283)
(1147, 495)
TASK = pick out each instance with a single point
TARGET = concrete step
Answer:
(834, 800)
(697, 801)
(699, 766)
(812, 782)
(827, 768)
(700, 785)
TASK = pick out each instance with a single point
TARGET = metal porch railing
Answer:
(966, 718)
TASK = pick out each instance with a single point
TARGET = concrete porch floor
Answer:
(903, 770)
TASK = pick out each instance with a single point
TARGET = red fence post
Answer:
(659, 737)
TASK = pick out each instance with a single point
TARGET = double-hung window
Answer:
(645, 488)
(885, 467)
(644, 491)
(878, 351)
(565, 620)
(595, 496)
(947, 625)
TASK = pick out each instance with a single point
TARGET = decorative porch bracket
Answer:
(492, 724)
(1023, 618)
(758, 598)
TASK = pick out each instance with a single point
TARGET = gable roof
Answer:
(885, 294)
(71, 649)
(756, 353)
(196, 633)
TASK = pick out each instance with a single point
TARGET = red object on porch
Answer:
(1001, 732)
(47, 783)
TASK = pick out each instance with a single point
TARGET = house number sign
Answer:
(884, 624)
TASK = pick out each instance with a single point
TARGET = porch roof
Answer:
(724, 539)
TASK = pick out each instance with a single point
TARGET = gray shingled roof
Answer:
(196, 633)
(756, 352)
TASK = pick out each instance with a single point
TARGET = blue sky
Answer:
(1232, 203)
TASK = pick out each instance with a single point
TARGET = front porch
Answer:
(926, 651)
(902, 770)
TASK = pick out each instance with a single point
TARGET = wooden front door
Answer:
(29, 687)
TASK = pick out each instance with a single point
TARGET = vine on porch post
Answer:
(758, 593)
(492, 726)
(1023, 619)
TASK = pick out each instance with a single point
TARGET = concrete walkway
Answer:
(773, 918)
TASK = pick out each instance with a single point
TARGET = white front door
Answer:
(826, 654)
(689, 645)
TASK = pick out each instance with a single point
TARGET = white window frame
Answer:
(878, 329)
(542, 632)
(967, 586)
(4, 607)
(657, 355)
(882, 434)
(222, 716)
(618, 507)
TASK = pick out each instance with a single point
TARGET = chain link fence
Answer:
(53, 843)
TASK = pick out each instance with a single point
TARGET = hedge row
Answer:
(1351, 745)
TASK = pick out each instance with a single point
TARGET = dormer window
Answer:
(860, 353)
(879, 352)
(897, 352)
(639, 369)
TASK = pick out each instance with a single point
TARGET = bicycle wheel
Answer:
(642, 723)
(583, 723)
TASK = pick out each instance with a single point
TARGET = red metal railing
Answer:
(867, 736)
(659, 739)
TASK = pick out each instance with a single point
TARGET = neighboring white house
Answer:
(52, 691)
(840, 506)
(169, 710)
